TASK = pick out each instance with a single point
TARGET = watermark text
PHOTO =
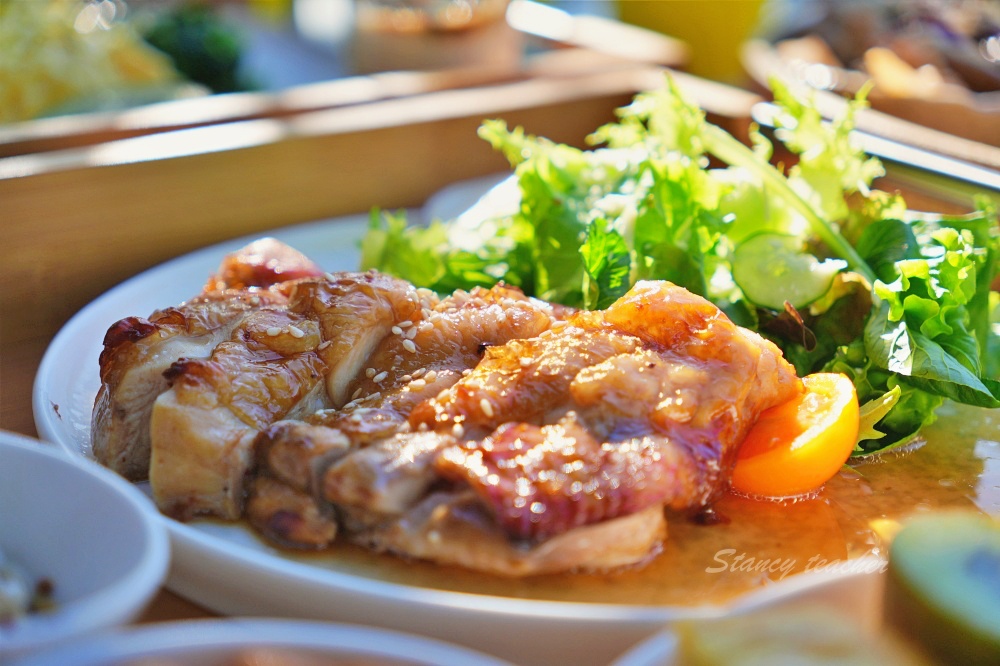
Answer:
(728, 559)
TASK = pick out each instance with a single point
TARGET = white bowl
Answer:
(95, 536)
(271, 641)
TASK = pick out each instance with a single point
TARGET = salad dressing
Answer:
(754, 543)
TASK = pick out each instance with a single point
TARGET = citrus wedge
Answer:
(796, 447)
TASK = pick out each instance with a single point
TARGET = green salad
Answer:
(843, 277)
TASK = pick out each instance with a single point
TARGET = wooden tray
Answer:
(77, 221)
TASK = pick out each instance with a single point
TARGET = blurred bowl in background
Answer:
(228, 642)
(88, 533)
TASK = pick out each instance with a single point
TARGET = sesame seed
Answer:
(373, 396)
(466, 372)
(273, 331)
(323, 345)
(396, 330)
(369, 373)
(329, 276)
(405, 324)
(525, 361)
(457, 430)
(418, 383)
(380, 377)
(431, 375)
(412, 333)
(409, 346)
(296, 331)
(351, 404)
(487, 407)
(419, 372)
(255, 300)
(407, 378)
(356, 394)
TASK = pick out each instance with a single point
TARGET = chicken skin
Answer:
(139, 350)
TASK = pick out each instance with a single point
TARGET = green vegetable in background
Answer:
(203, 47)
(907, 311)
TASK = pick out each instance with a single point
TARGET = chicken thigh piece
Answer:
(279, 364)
(454, 528)
(355, 313)
(203, 427)
(283, 503)
(429, 352)
(138, 350)
(389, 467)
(642, 406)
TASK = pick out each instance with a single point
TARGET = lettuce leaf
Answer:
(911, 319)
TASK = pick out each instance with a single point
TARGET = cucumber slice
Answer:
(771, 268)
(943, 586)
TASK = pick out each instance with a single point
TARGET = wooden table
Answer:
(78, 217)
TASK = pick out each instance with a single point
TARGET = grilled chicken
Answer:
(355, 312)
(429, 351)
(656, 421)
(289, 458)
(137, 351)
(381, 482)
(280, 363)
(203, 427)
(289, 517)
(298, 453)
(455, 528)
(484, 429)
(570, 441)
(391, 466)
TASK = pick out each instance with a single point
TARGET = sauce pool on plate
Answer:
(749, 543)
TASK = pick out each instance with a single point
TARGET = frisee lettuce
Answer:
(911, 318)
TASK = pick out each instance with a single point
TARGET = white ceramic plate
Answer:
(225, 568)
(253, 641)
(92, 534)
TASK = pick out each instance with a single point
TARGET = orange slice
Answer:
(796, 447)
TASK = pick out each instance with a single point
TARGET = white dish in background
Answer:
(92, 534)
(224, 567)
(252, 641)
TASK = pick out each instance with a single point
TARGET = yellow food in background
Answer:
(54, 52)
(810, 634)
